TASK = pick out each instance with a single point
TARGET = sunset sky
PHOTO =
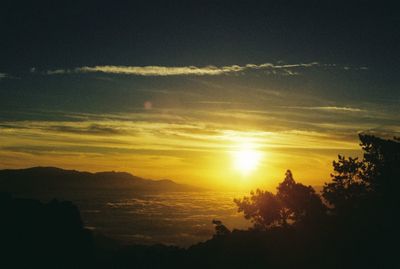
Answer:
(176, 89)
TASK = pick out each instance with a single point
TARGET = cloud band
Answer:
(286, 69)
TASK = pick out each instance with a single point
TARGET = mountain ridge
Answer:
(59, 178)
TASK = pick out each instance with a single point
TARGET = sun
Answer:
(246, 159)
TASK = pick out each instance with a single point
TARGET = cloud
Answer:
(215, 102)
(3, 75)
(186, 143)
(95, 129)
(330, 108)
(211, 70)
(58, 72)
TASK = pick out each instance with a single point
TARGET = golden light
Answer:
(246, 158)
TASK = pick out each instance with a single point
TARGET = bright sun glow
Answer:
(246, 159)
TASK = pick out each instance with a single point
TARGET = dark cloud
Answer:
(93, 129)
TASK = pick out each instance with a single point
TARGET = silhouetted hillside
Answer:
(42, 235)
(52, 178)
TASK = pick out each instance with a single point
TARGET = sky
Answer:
(175, 89)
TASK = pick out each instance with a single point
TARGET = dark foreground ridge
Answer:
(354, 224)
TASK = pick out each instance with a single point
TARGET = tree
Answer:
(293, 203)
(363, 197)
(301, 203)
(348, 185)
(220, 228)
(382, 161)
(263, 208)
(372, 182)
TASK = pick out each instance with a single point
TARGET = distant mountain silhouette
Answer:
(53, 178)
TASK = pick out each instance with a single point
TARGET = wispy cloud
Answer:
(95, 129)
(58, 72)
(330, 108)
(186, 143)
(211, 70)
(3, 75)
(215, 102)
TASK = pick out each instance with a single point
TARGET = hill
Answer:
(53, 178)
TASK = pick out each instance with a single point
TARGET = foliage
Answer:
(293, 203)
(348, 184)
(301, 203)
(359, 188)
(263, 208)
(382, 160)
(220, 228)
(357, 183)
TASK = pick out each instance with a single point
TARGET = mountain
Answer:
(53, 178)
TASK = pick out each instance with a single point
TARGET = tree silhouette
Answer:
(363, 198)
(300, 202)
(348, 185)
(263, 208)
(382, 160)
(220, 228)
(294, 203)
(372, 182)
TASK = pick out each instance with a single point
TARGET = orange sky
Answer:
(195, 152)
